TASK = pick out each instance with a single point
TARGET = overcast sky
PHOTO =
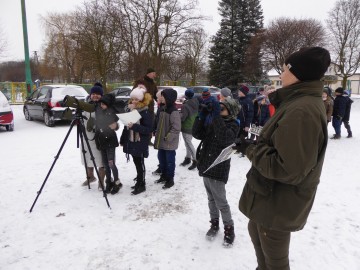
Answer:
(11, 23)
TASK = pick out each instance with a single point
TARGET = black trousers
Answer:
(271, 247)
(140, 168)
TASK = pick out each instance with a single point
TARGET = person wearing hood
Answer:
(188, 113)
(329, 105)
(167, 137)
(135, 136)
(287, 159)
(217, 127)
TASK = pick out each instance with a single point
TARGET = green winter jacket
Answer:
(287, 160)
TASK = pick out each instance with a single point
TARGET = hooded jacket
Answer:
(287, 160)
(169, 123)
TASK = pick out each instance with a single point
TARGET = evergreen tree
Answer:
(241, 20)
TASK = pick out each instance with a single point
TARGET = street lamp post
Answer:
(26, 49)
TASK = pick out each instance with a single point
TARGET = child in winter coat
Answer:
(338, 112)
(329, 105)
(106, 141)
(261, 113)
(135, 136)
(189, 111)
(167, 137)
(217, 128)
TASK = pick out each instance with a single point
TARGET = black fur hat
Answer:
(309, 64)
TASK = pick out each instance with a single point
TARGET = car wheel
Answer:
(27, 114)
(48, 120)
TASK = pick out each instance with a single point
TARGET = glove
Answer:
(338, 117)
(244, 145)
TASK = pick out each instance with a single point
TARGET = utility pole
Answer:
(26, 49)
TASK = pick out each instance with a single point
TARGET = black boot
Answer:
(139, 187)
(161, 180)
(135, 180)
(214, 228)
(229, 235)
(193, 165)
(335, 137)
(109, 186)
(349, 135)
(185, 162)
(169, 183)
(117, 186)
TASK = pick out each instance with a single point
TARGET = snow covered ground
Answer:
(71, 227)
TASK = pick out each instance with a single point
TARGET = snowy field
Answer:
(71, 227)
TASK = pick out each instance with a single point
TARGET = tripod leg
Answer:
(83, 135)
(53, 164)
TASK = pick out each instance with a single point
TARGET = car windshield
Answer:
(76, 91)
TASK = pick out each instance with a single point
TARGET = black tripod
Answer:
(79, 122)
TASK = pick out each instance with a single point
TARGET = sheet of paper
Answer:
(130, 117)
(224, 155)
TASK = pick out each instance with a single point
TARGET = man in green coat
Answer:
(287, 159)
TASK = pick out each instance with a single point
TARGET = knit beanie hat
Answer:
(244, 89)
(107, 99)
(96, 90)
(138, 93)
(309, 64)
(339, 90)
(225, 92)
(232, 106)
(189, 93)
(205, 93)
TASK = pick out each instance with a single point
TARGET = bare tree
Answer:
(3, 42)
(344, 27)
(61, 48)
(285, 36)
(99, 36)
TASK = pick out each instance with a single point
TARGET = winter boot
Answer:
(102, 178)
(109, 186)
(117, 186)
(335, 137)
(185, 162)
(193, 165)
(135, 180)
(169, 183)
(139, 187)
(214, 228)
(161, 180)
(157, 171)
(90, 176)
(349, 135)
(229, 235)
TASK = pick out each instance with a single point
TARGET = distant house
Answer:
(353, 81)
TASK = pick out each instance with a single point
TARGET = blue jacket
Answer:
(339, 106)
(246, 113)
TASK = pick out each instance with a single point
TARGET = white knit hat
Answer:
(138, 93)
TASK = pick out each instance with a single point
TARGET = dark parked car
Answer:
(122, 96)
(45, 103)
(6, 114)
